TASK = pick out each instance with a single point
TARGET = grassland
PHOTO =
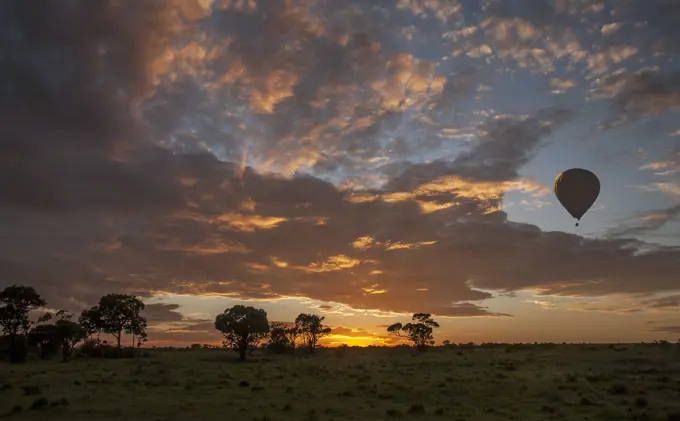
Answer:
(564, 382)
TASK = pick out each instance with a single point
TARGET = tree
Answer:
(68, 333)
(63, 333)
(292, 334)
(311, 328)
(418, 330)
(446, 342)
(242, 327)
(138, 331)
(115, 314)
(15, 303)
(90, 320)
(43, 338)
(278, 340)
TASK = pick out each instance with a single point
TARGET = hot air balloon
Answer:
(577, 189)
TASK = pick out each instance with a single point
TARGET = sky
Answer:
(361, 160)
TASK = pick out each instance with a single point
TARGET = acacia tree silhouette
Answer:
(418, 330)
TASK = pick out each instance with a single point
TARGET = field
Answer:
(565, 382)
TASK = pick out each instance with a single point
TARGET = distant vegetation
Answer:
(243, 328)
(114, 315)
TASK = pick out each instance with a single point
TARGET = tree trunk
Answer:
(65, 352)
(17, 349)
(120, 332)
(242, 354)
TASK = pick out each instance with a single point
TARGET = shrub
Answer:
(341, 350)
(394, 413)
(40, 403)
(617, 389)
(278, 348)
(641, 402)
(32, 390)
(93, 349)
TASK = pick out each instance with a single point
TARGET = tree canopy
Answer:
(311, 328)
(418, 330)
(242, 327)
(16, 301)
(115, 314)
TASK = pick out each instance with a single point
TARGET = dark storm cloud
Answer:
(71, 75)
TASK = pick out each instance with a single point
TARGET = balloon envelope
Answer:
(577, 189)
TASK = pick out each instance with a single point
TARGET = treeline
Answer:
(243, 328)
(114, 315)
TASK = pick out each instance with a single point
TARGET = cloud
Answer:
(666, 329)
(655, 219)
(162, 313)
(561, 86)
(662, 167)
(670, 301)
(508, 143)
(467, 245)
(83, 90)
(645, 93)
(443, 10)
(646, 222)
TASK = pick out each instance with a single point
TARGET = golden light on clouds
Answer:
(429, 207)
(245, 222)
(279, 263)
(363, 243)
(333, 263)
(367, 242)
(400, 246)
(458, 187)
(372, 290)
(207, 247)
(257, 267)
(248, 222)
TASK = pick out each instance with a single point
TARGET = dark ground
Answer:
(561, 382)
